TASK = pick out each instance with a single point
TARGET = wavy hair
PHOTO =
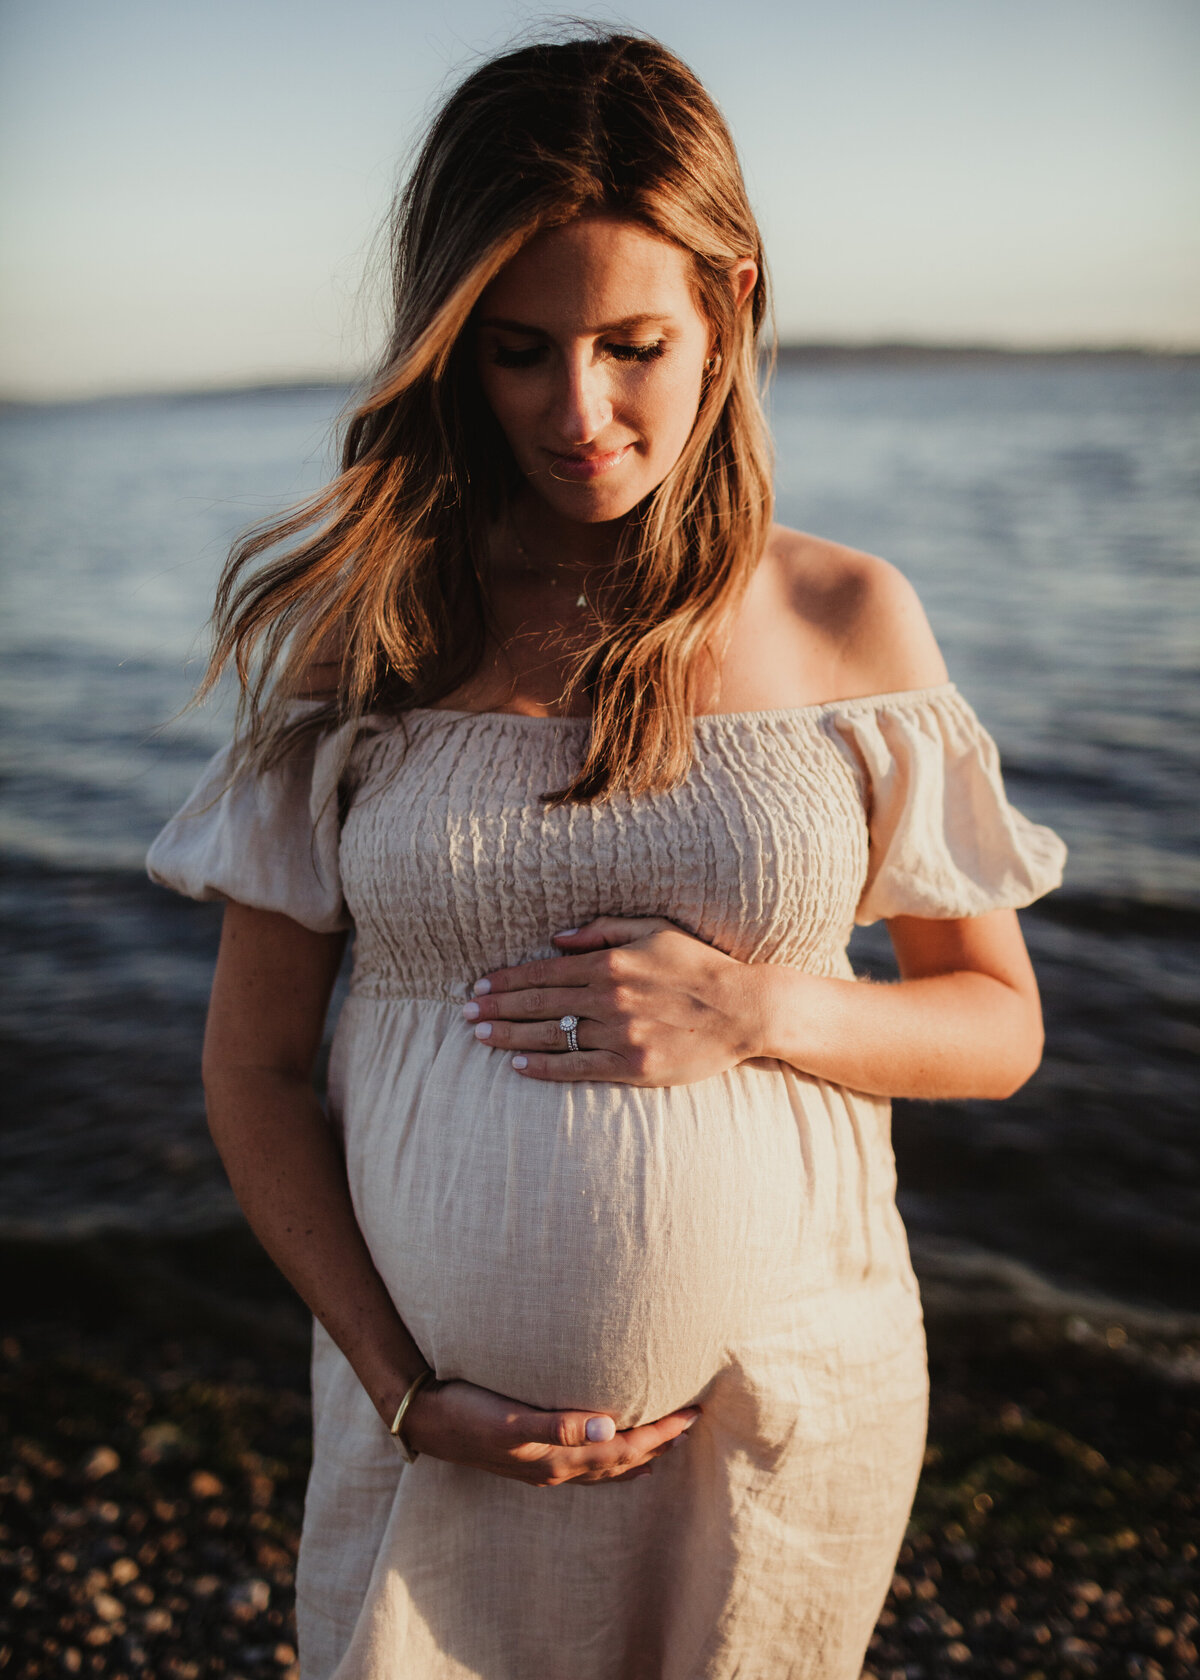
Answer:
(389, 564)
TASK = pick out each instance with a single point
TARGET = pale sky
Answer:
(189, 191)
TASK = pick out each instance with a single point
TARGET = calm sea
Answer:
(1048, 511)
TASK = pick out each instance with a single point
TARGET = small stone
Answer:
(101, 1462)
(157, 1621)
(72, 1660)
(284, 1655)
(160, 1441)
(262, 1491)
(252, 1596)
(901, 1587)
(957, 1652)
(205, 1485)
(204, 1586)
(123, 1571)
(108, 1608)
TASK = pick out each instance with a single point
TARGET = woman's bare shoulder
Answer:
(856, 613)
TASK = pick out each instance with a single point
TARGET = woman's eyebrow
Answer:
(630, 323)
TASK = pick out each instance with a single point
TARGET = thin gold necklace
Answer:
(581, 599)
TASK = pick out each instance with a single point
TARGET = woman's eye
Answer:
(506, 356)
(637, 352)
(531, 355)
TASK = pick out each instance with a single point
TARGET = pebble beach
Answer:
(156, 1455)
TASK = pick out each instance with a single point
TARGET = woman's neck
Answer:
(550, 543)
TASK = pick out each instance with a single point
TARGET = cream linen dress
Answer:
(733, 1242)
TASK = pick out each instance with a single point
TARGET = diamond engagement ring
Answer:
(568, 1025)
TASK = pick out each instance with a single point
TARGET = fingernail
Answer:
(692, 1420)
(600, 1429)
(483, 1030)
(520, 1061)
(481, 986)
(566, 933)
(471, 1011)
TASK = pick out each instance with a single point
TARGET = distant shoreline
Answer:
(817, 353)
(901, 350)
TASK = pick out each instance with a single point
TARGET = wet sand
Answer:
(158, 1424)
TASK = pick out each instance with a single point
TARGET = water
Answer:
(1047, 511)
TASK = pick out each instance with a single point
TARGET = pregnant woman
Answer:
(618, 1366)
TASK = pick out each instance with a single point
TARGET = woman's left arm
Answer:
(658, 1007)
(964, 1019)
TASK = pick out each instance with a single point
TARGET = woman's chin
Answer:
(603, 500)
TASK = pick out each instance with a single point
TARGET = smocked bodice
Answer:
(452, 862)
(433, 837)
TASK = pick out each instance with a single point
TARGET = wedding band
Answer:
(568, 1025)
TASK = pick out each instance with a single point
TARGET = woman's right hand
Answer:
(472, 1426)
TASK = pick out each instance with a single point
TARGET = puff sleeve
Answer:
(944, 840)
(269, 839)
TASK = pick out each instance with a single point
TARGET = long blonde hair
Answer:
(389, 563)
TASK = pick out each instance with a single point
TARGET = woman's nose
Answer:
(584, 405)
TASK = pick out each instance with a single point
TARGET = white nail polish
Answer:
(600, 1429)
(471, 1011)
(483, 1030)
(566, 933)
(481, 986)
(520, 1061)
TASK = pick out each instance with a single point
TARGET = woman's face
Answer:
(591, 353)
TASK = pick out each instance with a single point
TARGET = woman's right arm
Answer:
(270, 995)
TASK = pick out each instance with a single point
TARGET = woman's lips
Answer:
(583, 467)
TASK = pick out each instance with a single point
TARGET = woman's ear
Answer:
(743, 277)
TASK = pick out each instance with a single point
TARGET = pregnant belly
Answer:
(569, 1245)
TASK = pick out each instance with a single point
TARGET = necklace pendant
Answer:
(582, 601)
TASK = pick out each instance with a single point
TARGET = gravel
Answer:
(150, 1508)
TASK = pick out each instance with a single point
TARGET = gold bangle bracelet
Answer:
(410, 1394)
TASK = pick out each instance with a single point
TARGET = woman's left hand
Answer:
(655, 1006)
